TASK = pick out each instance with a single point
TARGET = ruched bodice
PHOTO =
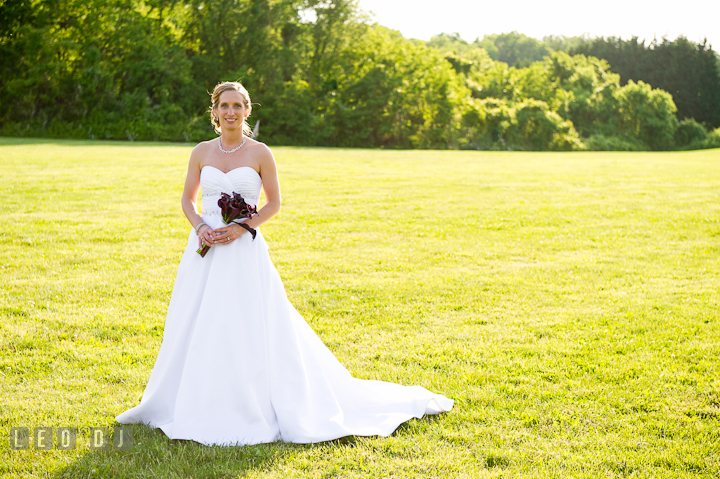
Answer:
(244, 180)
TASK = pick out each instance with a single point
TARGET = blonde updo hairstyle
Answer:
(219, 89)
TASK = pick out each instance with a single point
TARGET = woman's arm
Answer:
(190, 194)
(271, 186)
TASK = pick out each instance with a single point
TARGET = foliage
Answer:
(514, 48)
(583, 92)
(647, 114)
(462, 55)
(580, 89)
(619, 142)
(92, 70)
(689, 131)
(539, 128)
(685, 69)
(712, 140)
(390, 92)
(562, 43)
(528, 125)
(320, 73)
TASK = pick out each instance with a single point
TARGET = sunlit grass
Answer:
(566, 301)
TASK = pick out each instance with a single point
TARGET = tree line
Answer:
(320, 73)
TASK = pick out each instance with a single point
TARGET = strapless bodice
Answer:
(244, 180)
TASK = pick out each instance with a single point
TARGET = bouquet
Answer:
(233, 207)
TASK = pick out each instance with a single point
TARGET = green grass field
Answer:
(567, 302)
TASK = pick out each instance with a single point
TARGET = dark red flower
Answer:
(233, 207)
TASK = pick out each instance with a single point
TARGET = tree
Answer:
(684, 69)
(590, 104)
(514, 48)
(394, 93)
(539, 128)
(647, 114)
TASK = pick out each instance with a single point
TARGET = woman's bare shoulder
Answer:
(261, 150)
(203, 147)
(200, 151)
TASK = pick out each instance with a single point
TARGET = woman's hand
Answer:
(206, 236)
(228, 234)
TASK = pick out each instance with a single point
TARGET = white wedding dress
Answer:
(239, 365)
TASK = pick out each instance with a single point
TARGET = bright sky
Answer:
(422, 19)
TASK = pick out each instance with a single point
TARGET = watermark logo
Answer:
(66, 438)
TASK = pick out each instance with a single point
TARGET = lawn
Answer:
(567, 302)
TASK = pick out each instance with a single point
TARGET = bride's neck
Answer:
(231, 138)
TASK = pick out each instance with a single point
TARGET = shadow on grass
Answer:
(154, 455)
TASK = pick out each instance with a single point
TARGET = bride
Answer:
(238, 364)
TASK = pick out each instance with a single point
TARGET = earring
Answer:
(217, 119)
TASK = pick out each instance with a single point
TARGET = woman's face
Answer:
(231, 110)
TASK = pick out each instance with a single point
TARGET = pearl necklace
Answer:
(234, 149)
